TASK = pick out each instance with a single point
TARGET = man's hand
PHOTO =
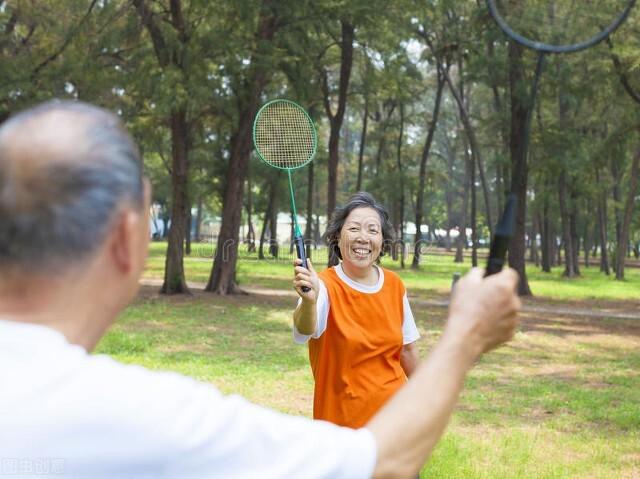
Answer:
(483, 311)
(306, 277)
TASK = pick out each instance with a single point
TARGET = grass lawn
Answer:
(561, 401)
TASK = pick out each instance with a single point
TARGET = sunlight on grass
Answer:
(433, 278)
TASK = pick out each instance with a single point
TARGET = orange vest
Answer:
(356, 361)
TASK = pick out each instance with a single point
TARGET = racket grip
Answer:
(497, 255)
(299, 241)
(500, 241)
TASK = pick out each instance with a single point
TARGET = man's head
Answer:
(73, 202)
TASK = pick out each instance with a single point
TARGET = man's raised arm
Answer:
(482, 315)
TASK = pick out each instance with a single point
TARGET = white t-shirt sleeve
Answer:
(410, 332)
(322, 312)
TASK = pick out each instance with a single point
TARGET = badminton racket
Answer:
(285, 137)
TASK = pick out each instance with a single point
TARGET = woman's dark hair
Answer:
(361, 199)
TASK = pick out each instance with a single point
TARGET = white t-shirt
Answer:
(410, 331)
(63, 411)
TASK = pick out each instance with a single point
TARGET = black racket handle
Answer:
(497, 255)
(502, 236)
(299, 241)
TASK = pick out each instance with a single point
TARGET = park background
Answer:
(421, 103)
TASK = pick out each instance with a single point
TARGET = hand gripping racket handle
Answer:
(502, 236)
(299, 241)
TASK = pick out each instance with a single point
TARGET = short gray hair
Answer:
(59, 212)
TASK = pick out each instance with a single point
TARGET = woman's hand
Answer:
(306, 277)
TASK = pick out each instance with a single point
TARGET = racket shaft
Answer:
(299, 241)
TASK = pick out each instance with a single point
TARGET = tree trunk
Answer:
(317, 237)
(251, 234)
(381, 144)
(274, 246)
(533, 241)
(520, 119)
(616, 173)
(476, 158)
(263, 234)
(494, 80)
(545, 229)
(223, 274)
(602, 229)
(308, 230)
(461, 244)
(174, 280)
(400, 240)
(170, 55)
(474, 223)
(422, 179)
(335, 120)
(187, 246)
(265, 222)
(199, 218)
(575, 239)
(623, 241)
(449, 194)
(569, 267)
(363, 139)
(292, 234)
(586, 241)
(382, 141)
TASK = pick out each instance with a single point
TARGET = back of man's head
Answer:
(65, 170)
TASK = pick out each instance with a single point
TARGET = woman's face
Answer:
(360, 240)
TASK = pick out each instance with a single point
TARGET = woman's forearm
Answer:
(304, 317)
(409, 358)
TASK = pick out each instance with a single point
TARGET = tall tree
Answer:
(336, 118)
(520, 120)
(172, 57)
(424, 157)
(249, 88)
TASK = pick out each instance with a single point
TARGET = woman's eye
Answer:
(353, 229)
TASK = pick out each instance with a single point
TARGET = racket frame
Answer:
(549, 48)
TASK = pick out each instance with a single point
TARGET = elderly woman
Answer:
(356, 318)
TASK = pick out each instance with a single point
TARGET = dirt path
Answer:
(582, 309)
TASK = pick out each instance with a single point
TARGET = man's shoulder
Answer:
(140, 380)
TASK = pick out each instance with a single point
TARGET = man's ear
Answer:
(123, 241)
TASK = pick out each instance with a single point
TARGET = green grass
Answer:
(561, 401)
(433, 278)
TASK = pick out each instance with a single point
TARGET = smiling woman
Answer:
(356, 318)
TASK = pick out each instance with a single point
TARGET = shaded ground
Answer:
(594, 308)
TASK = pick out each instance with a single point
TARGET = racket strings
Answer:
(560, 22)
(284, 135)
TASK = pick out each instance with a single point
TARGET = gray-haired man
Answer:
(73, 241)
